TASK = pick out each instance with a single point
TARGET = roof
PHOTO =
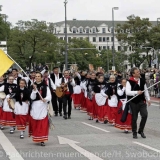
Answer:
(93, 23)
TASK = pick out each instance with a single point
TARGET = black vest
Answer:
(22, 95)
(136, 87)
(124, 94)
(69, 85)
(42, 88)
(53, 76)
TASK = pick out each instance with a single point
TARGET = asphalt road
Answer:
(85, 139)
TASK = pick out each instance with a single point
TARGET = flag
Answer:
(5, 62)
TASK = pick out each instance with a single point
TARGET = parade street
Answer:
(81, 139)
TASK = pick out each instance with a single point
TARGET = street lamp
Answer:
(114, 8)
(66, 54)
(107, 58)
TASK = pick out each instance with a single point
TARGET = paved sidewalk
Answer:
(155, 100)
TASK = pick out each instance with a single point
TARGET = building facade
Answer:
(99, 33)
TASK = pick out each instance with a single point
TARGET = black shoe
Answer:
(60, 114)
(11, 131)
(56, 115)
(42, 144)
(21, 136)
(142, 134)
(2, 128)
(65, 117)
(105, 122)
(97, 121)
(135, 135)
(69, 117)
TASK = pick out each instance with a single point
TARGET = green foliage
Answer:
(31, 41)
(135, 32)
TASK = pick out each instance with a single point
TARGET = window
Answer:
(100, 39)
(94, 39)
(130, 48)
(94, 30)
(112, 39)
(64, 30)
(108, 47)
(104, 39)
(74, 30)
(103, 30)
(107, 38)
(61, 38)
(81, 30)
(69, 39)
(104, 47)
(81, 38)
(87, 30)
(125, 48)
(100, 47)
(112, 30)
(112, 47)
(119, 48)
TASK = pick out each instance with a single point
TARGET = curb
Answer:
(157, 102)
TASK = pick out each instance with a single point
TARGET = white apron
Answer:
(21, 109)
(39, 110)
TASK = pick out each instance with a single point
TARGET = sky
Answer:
(53, 10)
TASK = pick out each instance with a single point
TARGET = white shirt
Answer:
(56, 78)
(134, 93)
(66, 81)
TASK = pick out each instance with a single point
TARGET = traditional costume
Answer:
(77, 93)
(38, 124)
(97, 110)
(127, 124)
(22, 98)
(8, 118)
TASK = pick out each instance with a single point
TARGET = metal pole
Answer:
(107, 58)
(113, 35)
(66, 54)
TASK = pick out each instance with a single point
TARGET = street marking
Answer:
(95, 127)
(10, 150)
(72, 144)
(148, 147)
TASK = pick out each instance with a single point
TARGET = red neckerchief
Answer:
(132, 79)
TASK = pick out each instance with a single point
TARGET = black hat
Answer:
(55, 68)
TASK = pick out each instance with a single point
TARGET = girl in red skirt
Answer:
(22, 107)
(90, 85)
(126, 126)
(8, 118)
(98, 111)
(38, 124)
(84, 79)
(77, 95)
(112, 102)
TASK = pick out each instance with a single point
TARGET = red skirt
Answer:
(101, 113)
(1, 114)
(95, 109)
(112, 112)
(83, 103)
(77, 100)
(8, 119)
(39, 129)
(89, 105)
(125, 125)
(21, 122)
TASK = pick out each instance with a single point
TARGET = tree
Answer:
(135, 33)
(31, 41)
(4, 27)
